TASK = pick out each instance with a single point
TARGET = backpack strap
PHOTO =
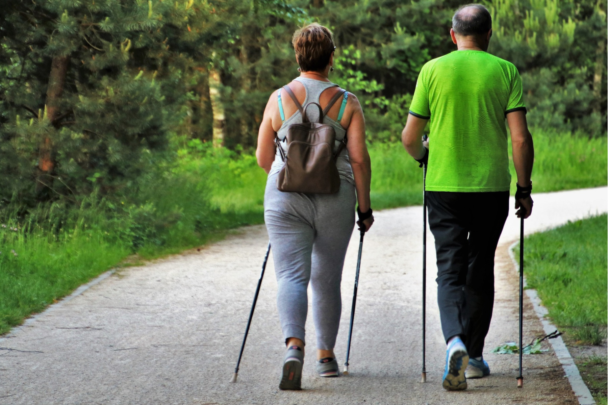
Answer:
(340, 114)
(333, 101)
(277, 142)
(295, 100)
(305, 119)
(341, 147)
(281, 107)
(343, 106)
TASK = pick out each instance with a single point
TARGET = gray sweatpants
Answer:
(309, 234)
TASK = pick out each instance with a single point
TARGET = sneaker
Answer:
(456, 362)
(292, 369)
(477, 369)
(328, 367)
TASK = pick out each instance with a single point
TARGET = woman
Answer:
(310, 233)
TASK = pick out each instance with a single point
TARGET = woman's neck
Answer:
(314, 76)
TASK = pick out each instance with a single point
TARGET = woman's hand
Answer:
(366, 219)
(367, 223)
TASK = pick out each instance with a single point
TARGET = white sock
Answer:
(452, 338)
(478, 358)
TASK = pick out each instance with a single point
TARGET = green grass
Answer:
(593, 370)
(37, 270)
(206, 193)
(565, 162)
(567, 266)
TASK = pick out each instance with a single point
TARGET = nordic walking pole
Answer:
(520, 379)
(423, 378)
(352, 311)
(255, 300)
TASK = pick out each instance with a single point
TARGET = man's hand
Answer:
(366, 219)
(424, 161)
(523, 201)
(525, 207)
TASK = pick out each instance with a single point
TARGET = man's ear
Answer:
(489, 35)
(453, 35)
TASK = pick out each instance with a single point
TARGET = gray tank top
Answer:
(314, 88)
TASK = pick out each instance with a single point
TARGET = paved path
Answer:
(169, 332)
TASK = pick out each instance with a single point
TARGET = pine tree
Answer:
(91, 92)
(560, 50)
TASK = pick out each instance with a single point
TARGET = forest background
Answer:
(129, 126)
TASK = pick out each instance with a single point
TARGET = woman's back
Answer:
(315, 91)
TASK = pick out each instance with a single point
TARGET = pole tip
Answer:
(423, 379)
(233, 379)
(520, 382)
(345, 370)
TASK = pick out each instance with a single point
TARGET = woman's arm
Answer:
(266, 147)
(359, 156)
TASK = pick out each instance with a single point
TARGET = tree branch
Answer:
(30, 110)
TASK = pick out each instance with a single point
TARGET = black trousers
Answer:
(466, 227)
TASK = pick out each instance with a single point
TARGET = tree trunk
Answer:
(245, 87)
(318, 3)
(219, 118)
(59, 70)
(599, 72)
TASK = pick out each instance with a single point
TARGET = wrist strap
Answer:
(364, 215)
(523, 192)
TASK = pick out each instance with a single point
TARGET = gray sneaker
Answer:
(292, 369)
(328, 367)
(477, 368)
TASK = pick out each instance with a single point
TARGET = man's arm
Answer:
(412, 136)
(523, 157)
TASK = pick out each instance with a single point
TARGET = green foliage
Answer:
(116, 106)
(138, 72)
(560, 50)
(513, 348)
(567, 266)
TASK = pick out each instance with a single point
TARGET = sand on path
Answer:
(169, 332)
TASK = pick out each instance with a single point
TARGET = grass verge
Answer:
(567, 266)
(593, 370)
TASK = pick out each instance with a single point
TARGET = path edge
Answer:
(580, 389)
(78, 291)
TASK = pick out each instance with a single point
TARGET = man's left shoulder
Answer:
(505, 64)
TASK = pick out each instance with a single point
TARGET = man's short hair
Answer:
(475, 21)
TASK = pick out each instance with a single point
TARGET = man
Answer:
(465, 97)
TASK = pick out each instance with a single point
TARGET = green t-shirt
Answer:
(466, 95)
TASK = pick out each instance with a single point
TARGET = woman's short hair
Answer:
(314, 45)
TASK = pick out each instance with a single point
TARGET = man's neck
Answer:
(471, 47)
(466, 44)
